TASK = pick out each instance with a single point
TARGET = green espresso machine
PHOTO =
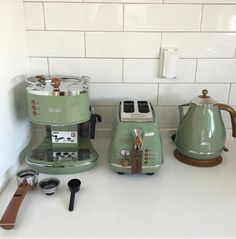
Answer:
(62, 105)
(136, 145)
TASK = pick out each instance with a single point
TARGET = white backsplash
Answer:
(117, 43)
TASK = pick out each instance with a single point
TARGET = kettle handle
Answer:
(232, 113)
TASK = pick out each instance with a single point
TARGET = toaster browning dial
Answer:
(125, 152)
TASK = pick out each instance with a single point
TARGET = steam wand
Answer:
(93, 120)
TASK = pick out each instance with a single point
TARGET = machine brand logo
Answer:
(54, 110)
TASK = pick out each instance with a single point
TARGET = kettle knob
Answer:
(204, 94)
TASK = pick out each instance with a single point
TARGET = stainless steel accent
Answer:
(27, 175)
(144, 166)
(69, 85)
(140, 111)
(49, 185)
(148, 134)
(59, 165)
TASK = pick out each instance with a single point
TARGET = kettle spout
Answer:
(183, 109)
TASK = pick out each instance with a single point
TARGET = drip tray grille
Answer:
(54, 156)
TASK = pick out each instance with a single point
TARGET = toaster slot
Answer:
(143, 107)
(128, 106)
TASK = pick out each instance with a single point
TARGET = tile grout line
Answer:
(161, 46)
(122, 71)
(158, 93)
(230, 86)
(49, 72)
(129, 58)
(85, 52)
(44, 16)
(201, 18)
(196, 67)
(162, 83)
(149, 3)
(123, 17)
(136, 31)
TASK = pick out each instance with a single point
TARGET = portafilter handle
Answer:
(9, 217)
(27, 179)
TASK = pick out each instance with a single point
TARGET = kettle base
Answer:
(197, 162)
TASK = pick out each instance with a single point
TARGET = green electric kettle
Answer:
(200, 137)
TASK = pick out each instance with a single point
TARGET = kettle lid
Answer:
(204, 99)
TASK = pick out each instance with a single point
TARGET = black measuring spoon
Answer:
(74, 185)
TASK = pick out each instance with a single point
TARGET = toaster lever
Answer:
(138, 139)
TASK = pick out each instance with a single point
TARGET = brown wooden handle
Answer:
(9, 217)
(232, 113)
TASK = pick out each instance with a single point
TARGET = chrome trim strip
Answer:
(59, 166)
(129, 167)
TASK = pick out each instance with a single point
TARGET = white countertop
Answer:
(178, 201)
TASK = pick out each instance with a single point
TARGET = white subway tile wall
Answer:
(94, 68)
(162, 17)
(34, 16)
(110, 94)
(54, 1)
(84, 16)
(202, 44)
(176, 94)
(219, 18)
(200, 1)
(56, 43)
(148, 71)
(216, 70)
(123, 44)
(118, 44)
(232, 98)
(39, 66)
